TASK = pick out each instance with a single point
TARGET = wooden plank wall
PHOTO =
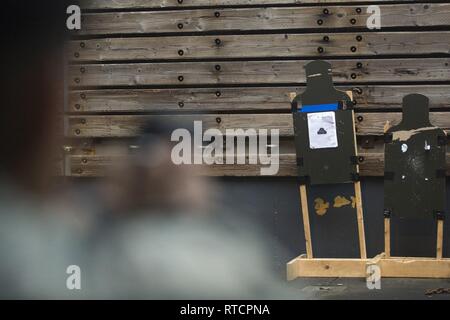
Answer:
(233, 63)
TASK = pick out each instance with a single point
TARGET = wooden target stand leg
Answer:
(308, 266)
(307, 226)
(413, 267)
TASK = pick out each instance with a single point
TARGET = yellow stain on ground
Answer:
(321, 206)
(341, 201)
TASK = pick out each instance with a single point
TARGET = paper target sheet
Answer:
(322, 130)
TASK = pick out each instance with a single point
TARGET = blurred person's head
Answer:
(149, 179)
(32, 85)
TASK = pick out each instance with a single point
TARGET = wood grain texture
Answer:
(260, 46)
(146, 71)
(240, 99)
(269, 18)
(440, 239)
(400, 267)
(144, 4)
(387, 237)
(360, 219)
(130, 125)
(255, 72)
(96, 166)
(305, 218)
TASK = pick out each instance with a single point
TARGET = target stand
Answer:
(426, 144)
(325, 139)
(415, 195)
(307, 266)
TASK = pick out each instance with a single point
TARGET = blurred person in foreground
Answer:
(147, 230)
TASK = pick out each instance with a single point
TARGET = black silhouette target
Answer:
(414, 185)
(324, 130)
(325, 148)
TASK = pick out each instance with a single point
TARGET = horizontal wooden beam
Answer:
(401, 267)
(96, 166)
(414, 268)
(130, 125)
(260, 46)
(328, 268)
(239, 99)
(154, 4)
(268, 18)
(255, 72)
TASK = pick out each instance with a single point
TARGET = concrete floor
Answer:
(355, 288)
(273, 204)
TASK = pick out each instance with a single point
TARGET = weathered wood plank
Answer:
(148, 4)
(260, 46)
(398, 267)
(129, 125)
(269, 18)
(255, 72)
(242, 99)
(96, 165)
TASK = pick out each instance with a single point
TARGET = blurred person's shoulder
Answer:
(190, 256)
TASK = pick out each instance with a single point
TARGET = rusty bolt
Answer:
(77, 131)
(83, 96)
(67, 148)
(77, 106)
(358, 90)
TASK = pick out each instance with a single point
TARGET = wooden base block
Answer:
(414, 267)
(390, 267)
(345, 268)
